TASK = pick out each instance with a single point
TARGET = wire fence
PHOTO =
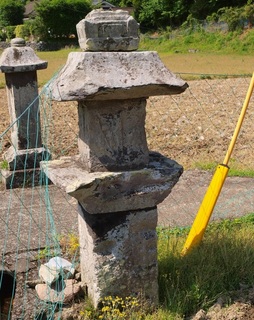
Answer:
(193, 128)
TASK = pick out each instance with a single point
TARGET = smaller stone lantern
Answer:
(19, 63)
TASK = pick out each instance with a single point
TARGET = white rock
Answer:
(60, 291)
(62, 265)
(48, 275)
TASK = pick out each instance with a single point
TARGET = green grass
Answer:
(181, 41)
(4, 165)
(234, 169)
(222, 264)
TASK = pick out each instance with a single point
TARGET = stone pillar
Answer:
(20, 63)
(118, 183)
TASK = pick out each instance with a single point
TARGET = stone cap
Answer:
(114, 75)
(20, 58)
(108, 31)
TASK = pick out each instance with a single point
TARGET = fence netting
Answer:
(194, 128)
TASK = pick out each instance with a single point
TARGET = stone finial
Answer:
(18, 42)
(108, 31)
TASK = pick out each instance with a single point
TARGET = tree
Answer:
(11, 12)
(160, 13)
(233, 17)
(61, 16)
(200, 9)
(248, 13)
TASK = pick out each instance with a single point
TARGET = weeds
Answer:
(69, 244)
(219, 266)
(116, 308)
(4, 165)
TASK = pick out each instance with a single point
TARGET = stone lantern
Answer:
(118, 183)
(19, 63)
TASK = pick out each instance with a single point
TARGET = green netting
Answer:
(35, 218)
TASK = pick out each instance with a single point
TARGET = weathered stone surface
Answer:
(103, 192)
(61, 291)
(19, 58)
(112, 138)
(48, 275)
(22, 92)
(108, 31)
(114, 75)
(119, 254)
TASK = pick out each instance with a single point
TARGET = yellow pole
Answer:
(206, 208)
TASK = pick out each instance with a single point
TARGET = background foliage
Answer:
(11, 12)
(153, 15)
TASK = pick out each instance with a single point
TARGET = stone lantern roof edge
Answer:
(114, 75)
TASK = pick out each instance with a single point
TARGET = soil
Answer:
(194, 127)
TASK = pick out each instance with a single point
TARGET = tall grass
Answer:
(219, 267)
(181, 41)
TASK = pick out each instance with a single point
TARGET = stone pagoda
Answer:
(118, 183)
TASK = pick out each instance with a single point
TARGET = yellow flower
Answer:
(105, 309)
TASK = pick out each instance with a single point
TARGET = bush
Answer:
(11, 12)
(10, 32)
(21, 31)
(59, 17)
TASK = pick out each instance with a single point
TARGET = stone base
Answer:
(26, 159)
(20, 178)
(119, 254)
(24, 167)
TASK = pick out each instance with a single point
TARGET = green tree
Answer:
(61, 16)
(248, 13)
(233, 16)
(200, 9)
(161, 13)
(11, 12)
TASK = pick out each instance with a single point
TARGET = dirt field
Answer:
(195, 127)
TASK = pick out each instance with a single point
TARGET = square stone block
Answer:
(119, 254)
(112, 135)
(108, 31)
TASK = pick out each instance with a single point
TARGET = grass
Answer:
(4, 165)
(206, 65)
(235, 170)
(182, 41)
(219, 267)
